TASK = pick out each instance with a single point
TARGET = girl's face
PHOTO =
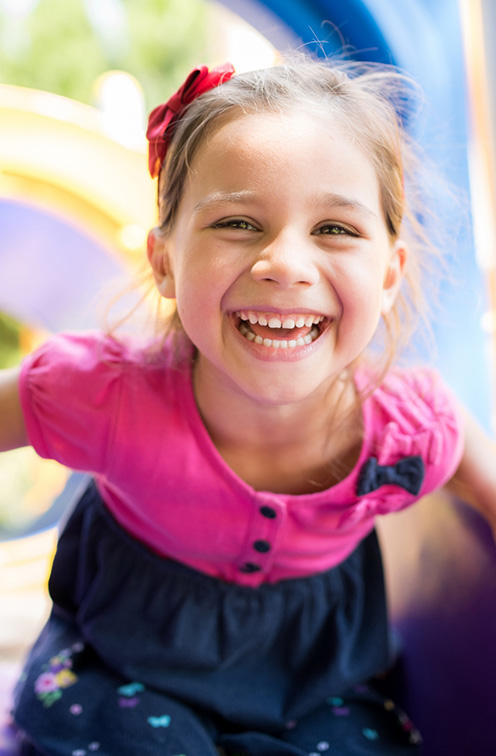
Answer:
(279, 258)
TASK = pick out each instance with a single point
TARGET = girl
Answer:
(219, 587)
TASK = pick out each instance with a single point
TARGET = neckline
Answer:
(347, 484)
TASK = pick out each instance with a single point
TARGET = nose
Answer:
(287, 260)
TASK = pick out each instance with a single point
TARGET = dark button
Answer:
(250, 567)
(262, 546)
(268, 512)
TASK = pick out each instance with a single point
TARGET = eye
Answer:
(334, 229)
(236, 223)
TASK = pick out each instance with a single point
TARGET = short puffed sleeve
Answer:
(417, 414)
(70, 392)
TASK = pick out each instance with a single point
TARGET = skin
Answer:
(12, 429)
(281, 214)
(264, 248)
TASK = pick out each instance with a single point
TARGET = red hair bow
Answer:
(159, 130)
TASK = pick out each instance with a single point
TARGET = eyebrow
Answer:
(331, 199)
(223, 198)
(326, 199)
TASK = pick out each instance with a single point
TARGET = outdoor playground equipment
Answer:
(66, 229)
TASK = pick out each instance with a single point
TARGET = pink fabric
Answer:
(96, 405)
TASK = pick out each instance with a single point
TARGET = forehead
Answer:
(280, 151)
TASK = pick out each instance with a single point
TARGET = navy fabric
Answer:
(408, 473)
(144, 655)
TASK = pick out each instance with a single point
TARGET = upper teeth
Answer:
(280, 321)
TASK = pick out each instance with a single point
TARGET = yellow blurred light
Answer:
(488, 322)
(237, 41)
(132, 237)
(56, 153)
(122, 103)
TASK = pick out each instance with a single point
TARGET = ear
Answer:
(158, 257)
(394, 275)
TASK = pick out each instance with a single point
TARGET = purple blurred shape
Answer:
(51, 272)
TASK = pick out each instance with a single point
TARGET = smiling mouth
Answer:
(280, 331)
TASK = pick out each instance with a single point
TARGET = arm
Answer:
(475, 479)
(12, 428)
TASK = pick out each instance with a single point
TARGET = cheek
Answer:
(192, 304)
(205, 278)
(359, 287)
(360, 295)
(198, 301)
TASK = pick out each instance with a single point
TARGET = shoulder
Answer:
(88, 380)
(415, 398)
(93, 369)
(414, 413)
(83, 349)
(95, 352)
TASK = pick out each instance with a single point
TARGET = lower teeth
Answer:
(279, 343)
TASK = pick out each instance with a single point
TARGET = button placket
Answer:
(261, 542)
(262, 546)
(269, 512)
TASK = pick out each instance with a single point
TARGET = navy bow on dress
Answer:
(408, 473)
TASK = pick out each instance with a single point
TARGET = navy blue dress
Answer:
(144, 656)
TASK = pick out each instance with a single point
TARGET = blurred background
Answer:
(77, 80)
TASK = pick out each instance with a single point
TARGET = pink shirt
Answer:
(96, 405)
